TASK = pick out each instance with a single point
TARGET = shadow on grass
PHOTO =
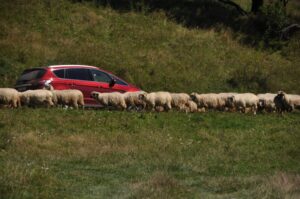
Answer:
(197, 14)
(203, 13)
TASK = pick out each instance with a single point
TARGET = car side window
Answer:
(60, 73)
(100, 76)
(79, 74)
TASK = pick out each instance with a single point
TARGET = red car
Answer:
(81, 77)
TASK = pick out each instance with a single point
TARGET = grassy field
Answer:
(55, 153)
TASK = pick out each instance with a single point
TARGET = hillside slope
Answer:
(149, 50)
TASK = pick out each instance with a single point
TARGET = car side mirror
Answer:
(112, 82)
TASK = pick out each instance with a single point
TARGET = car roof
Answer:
(71, 66)
(78, 66)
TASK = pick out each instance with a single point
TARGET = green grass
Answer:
(54, 153)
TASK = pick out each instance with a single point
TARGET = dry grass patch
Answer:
(62, 146)
(159, 185)
(288, 184)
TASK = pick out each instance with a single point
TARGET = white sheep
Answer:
(222, 101)
(243, 101)
(154, 99)
(70, 97)
(133, 101)
(293, 100)
(37, 97)
(266, 102)
(180, 100)
(206, 101)
(9, 97)
(114, 99)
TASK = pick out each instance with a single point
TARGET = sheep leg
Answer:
(19, 103)
(14, 104)
(10, 104)
(243, 109)
(123, 105)
(81, 102)
(254, 108)
(75, 105)
(152, 107)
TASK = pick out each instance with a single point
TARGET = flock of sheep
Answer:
(154, 101)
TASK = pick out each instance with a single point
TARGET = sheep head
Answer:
(94, 94)
(230, 101)
(193, 96)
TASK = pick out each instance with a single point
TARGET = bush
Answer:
(274, 19)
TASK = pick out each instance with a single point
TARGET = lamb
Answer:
(159, 109)
(114, 99)
(191, 107)
(180, 100)
(154, 99)
(286, 102)
(37, 97)
(266, 102)
(243, 101)
(10, 97)
(133, 101)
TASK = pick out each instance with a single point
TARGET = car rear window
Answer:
(31, 74)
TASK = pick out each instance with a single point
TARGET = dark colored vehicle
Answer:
(81, 77)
